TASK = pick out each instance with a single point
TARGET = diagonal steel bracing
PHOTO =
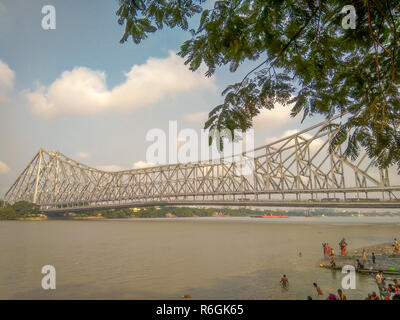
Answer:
(290, 170)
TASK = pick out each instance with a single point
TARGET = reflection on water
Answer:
(208, 258)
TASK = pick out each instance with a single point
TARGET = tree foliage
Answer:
(17, 210)
(306, 59)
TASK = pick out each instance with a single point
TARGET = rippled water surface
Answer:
(207, 258)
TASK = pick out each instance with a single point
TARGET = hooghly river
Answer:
(207, 258)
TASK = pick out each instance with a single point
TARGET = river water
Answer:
(207, 258)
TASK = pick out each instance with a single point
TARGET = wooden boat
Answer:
(365, 271)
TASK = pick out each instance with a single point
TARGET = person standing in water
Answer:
(373, 258)
(379, 278)
(364, 257)
(319, 291)
(332, 262)
(343, 245)
(284, 281)
(396, 245)
(328, 250)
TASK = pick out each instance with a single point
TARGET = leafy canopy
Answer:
(306, 58)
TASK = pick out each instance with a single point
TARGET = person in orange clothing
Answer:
(343, 245)
(341, 295)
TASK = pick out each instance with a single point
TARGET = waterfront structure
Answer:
(295, 171)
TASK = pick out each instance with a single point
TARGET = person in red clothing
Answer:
(328, 250)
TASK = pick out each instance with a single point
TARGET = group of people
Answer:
(389, 292)
(331, 296)
(329, 251)
(341, 296)
(361, 265)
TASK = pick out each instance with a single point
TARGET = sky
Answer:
(78, 90)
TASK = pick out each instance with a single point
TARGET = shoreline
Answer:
(387, 260)
(291, 219)
(384, 249)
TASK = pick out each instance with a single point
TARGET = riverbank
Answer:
(24, 210)
(386, 259)
(383, 249)
(38, 217)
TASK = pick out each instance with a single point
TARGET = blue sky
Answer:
(77, 90)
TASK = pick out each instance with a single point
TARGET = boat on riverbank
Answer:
(390, 271)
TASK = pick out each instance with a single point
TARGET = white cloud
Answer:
(109, 168)
(6, 76)
(4, 168)
(274, 118)
(142, 164)
(315, 144)
(199, 117)
(84, 91)
(83, 155)
(287, 133)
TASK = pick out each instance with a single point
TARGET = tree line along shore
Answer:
(28, 211)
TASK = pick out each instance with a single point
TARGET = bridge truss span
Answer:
(292, 171)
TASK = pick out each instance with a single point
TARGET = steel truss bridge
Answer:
(295, 171)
